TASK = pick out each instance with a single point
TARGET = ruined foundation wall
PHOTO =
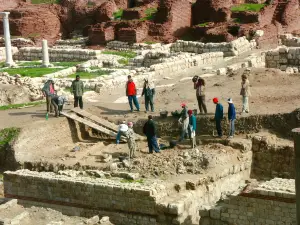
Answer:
(56, 55)
(99, 194)
(233, 48)
(271, 203)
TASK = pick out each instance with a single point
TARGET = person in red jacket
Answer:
(131, 94)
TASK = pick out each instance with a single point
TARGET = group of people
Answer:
(55, 102)
(149, 131)
(148, 92)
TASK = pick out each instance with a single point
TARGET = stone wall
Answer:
(133, 35)
(289, 40)
(56, 55)
(233, 48)
(273, 202)
(3, 55)
(119, 45)
(95, 193)
(272, 157)
(284, 58)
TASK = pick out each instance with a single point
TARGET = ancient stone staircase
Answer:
(281, 5)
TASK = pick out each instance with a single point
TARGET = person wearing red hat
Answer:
(192, 128)
(218, 116)
(183, 122)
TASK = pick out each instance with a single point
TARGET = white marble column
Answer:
(46, 62)
(9, 59)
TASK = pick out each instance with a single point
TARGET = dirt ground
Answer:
(272, 91)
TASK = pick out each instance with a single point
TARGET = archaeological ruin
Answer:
(68, 169)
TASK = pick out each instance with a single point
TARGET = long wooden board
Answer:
(91, 124)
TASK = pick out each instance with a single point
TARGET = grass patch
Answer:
(30, 72)
(203, 24)
(124, 62)
(150, 42)
(32, 63)
(45, 1)
(247, 7)
(86, 75)
(237, 20)
(33, 35)
(7, 135)
(140, 181)
(90, 4)
(150, 13)
(16, 106)
(65, 64)
(126, 54)
(2, 64)
(118, 14)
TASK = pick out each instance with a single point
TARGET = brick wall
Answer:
(101, 35)
(133, 35)
(181, 13)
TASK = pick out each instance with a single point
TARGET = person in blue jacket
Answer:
(231, 117)
(218, 116)
(192, 128)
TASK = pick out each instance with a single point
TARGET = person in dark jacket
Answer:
(149, 130)
(192, 128)
(58, 103)
(218, 116)
(131, 94)
(77, 90)
(231, 117)
(48, 92)
(149, 92)
(199, 86)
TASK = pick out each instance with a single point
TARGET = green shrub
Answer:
(150, 13)
(7, 135)
(45, 1)
(126, 54)
(118, 14)
(90, 4)
(124, 62)
(247, 7)
(203, 24)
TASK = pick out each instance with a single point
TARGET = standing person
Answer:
(183, 122)
(199, 85)
(149, 130)
(131, 140)
(192, 128)
(77, 90)
(245, 92)
(231, 117)
(131, 94)
(218, 116)
(149, 92)
(123, 128)
(48, 92)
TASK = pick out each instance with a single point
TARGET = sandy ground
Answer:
(272, 92)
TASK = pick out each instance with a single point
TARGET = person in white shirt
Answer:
(123, 128)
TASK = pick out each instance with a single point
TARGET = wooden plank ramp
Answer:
(91, 124)
(102, 122)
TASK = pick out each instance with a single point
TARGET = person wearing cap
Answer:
(77, 89)
(149, 130)
(131, 94)
(192, 127)
(218, 116)
(245, 93)
(183, 122)
(199, 85)
(130, 135)
(123, 128)
(231, 117)
(149, 92)
(48, 92)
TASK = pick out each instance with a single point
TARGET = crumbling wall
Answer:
(56, 55)
(272, 202)
(233, 48)
(272, 157)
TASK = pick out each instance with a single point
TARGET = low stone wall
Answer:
(289, 40)
(272, 157)
(175, 65)
(233, 48)
(95, 193)
(283, 58)
(62, 73)
(119, 45)
(71, 42)
(272, 202)
(56, 55)
(3, 55)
